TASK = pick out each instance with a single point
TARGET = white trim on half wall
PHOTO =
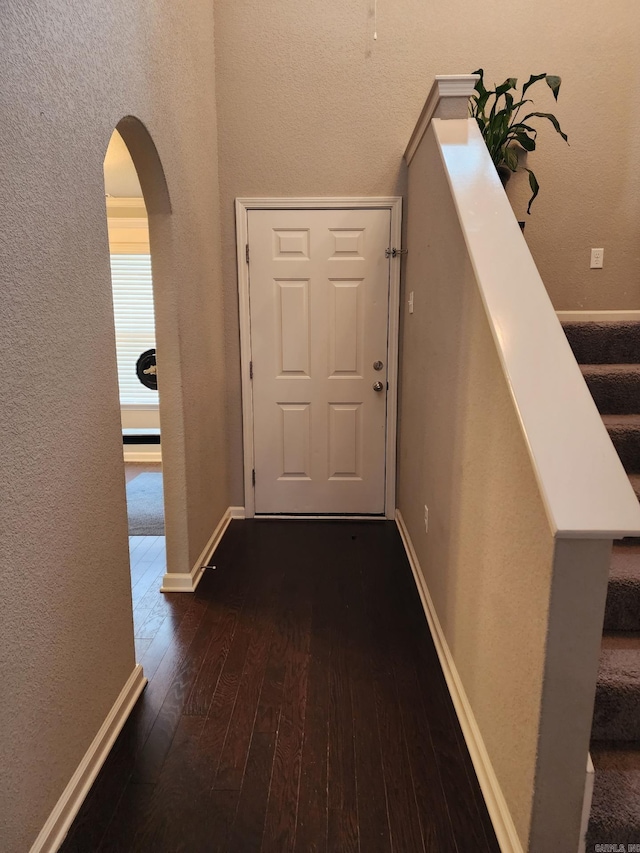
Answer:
(494, 798)
(59, 821)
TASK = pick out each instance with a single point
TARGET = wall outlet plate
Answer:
(597, 259)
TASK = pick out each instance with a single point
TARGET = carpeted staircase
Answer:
(609, 355)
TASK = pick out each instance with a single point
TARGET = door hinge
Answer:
(250, 370)
(246, 252)
(394, 253)
(253, 477)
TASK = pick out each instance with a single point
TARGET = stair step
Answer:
(609, 355)
(624, 431)
(616, 715)
(622, 611)
(615, 810)
(604, 342)
(615, 388)
(634, 479)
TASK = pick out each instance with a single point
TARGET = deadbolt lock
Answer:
(378, 365)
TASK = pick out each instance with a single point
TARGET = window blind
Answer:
(134, 322)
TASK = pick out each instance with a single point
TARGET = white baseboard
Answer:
(187, 582)
(301, 517)
(595, 316)
(586, 804)
(142, 455)
(55, 829)
(494, 798)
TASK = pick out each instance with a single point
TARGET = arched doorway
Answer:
(135, 337)
(153, 202)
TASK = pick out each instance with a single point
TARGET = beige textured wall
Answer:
(461, 453)
(500, 584)
(70, 72)
(309, 104)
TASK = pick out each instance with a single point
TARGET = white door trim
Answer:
(243, 206)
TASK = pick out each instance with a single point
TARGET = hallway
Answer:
(295, 702)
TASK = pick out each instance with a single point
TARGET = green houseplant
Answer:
(497, 113)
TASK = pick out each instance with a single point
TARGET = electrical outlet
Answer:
(597, 259)
(411, 302)
(426, 518)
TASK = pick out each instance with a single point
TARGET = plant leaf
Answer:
(504, 113)
(533, 79)
(511, 158)
(554, 121)
(482, 101)
(553, 82)
(535, 188)
(509, 83)
(479, 87)
(521, 126)
(525, 141)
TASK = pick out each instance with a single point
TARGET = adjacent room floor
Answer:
(295, 702)
(145, 500)
(148, 564)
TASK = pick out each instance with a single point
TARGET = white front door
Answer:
(319, 310)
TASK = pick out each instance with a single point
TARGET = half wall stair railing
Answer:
(513, 571)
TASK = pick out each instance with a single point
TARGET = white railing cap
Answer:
(449, 94)
(585, 489)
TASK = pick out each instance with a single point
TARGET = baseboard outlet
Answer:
(188, 582)
(494, 798)
(133, 453)
(59, 821)
(597, 316)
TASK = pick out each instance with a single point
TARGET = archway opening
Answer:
(135, 331)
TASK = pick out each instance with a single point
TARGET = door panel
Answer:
(319, 302)
(345, 441)
(293, 332)
(346, 328)
(295, 440)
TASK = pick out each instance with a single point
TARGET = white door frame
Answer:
(243, 206)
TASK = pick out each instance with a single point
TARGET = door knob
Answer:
(378, 386)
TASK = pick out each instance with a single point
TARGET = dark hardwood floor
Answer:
(295, 703)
